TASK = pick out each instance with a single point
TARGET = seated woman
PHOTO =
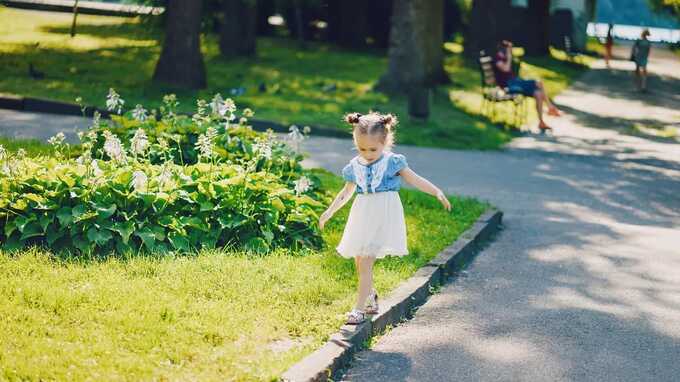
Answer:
(506, 78)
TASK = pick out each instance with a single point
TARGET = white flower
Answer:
(217, 105)
(306, 129)
(226, 109)
(248, 113)
(201, 107)
(95, 169)
(165, 176)
(170, 100)
(185, 178)
(85, 157)
(3, 152)
(80, 135)
(263, 149)
(302, 185)
(282, 228)
(243, 121)
(295, 134)
(57, 139)
(6, 169)
(96, 117)
(21, 154)
(230, 105)
(79, 100)
(114, 102)
(113, 147)
(92, 135)
(204, 146)
(163, 144)
(295, 137)
(139, 180)
(139, 113)
(211, 133)
(139, 142)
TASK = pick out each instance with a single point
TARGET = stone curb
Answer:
(337, 353)
(39, 105)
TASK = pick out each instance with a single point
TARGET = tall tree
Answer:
(348, 22)
(415, 52)
(537, 31)
(181, 62)
(485, 27)
(238, 28)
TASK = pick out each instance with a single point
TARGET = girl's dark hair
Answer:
(374, 124)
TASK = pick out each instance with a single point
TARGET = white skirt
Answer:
(375, 227)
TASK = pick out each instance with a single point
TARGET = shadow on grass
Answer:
(130, 30)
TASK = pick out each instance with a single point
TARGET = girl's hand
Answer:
(323, 219)
(443, 200)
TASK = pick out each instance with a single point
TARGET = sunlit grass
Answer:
(32, 147)
(282, 83)
(211, 316)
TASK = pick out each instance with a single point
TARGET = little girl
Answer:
(375, 227)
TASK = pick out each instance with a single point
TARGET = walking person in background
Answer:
(640, 54)
(609, 44)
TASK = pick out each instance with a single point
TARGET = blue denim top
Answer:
(378, 176)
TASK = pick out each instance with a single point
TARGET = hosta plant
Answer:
(123, 195)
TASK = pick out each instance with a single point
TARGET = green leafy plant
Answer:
(231, 187)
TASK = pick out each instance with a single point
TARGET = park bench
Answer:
(492, 94)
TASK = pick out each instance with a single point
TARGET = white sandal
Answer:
(372, 303)
(356, 317)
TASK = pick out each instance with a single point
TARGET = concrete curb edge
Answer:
(337, 353)
(39, 105)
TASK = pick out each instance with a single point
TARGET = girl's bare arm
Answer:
(340, 200)
(424, 185)
(506, 65)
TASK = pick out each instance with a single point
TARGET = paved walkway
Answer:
(583, 283)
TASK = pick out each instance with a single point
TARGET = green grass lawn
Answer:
(121, 53)
(215, 315)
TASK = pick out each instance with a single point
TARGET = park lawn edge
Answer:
(302, 331)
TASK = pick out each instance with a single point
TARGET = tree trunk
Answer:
(238, 28)
(537, 37)
(415, 52)
(484, 30)
(265, 8)
(181, 62)
(348, 22)
(379, 25)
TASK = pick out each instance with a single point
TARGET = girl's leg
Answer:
(637, 77)
(643, 78)
(365, 273)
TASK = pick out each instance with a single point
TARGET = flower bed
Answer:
(221, 184)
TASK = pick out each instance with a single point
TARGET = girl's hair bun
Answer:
(389, 120)
(352, 118)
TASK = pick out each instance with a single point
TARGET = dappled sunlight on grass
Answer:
(283, 83)
(52, 29)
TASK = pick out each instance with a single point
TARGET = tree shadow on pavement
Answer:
(639, 127)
